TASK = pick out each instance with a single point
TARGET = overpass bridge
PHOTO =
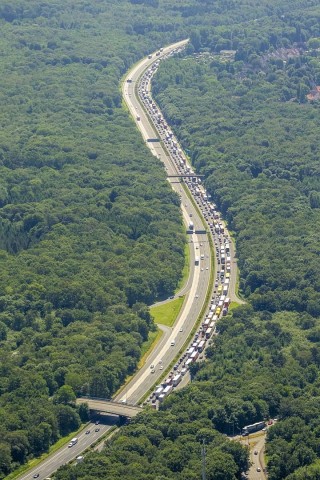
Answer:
(186, 175)
(112, 408)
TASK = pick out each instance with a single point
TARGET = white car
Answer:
(173, 343)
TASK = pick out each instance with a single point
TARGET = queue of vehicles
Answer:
(220, 301)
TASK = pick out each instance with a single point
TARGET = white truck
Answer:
(73, 441)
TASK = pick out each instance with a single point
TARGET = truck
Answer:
(176, 380)
(209, 333)
(188, 362)
(227, 302)
(167, 390)
(206, 323)
(194, 356)
(158, 392)
(73, 441)
(255, 427)
(201, 346)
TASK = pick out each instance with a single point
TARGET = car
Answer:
(190, 214)
(36, 475)
(197, 296)
(173, 343)
(258, 469)
(97, 422)
(160, 361)
(181, 329)
(256, 452)
(87, 432)
(207, 268)
(152, 366)
(202, 269)
(161, 367)
(172, 296)
(97, 430)
(153, 371)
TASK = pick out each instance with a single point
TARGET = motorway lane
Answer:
(66, 454)
(200, 276)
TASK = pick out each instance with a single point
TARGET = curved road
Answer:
(199, 278)
(196, 288)
(144, 380)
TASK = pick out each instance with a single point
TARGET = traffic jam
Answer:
(220, 301)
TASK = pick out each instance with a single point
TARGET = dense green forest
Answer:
(90, 232)
(247, 123)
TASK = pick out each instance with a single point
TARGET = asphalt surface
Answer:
(256, 443)
(195, 289)
(199, 277)
(66, 454)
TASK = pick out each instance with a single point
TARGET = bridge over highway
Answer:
(110, 407)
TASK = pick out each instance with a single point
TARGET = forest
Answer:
(91, 234)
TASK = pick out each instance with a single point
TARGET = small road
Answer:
(256, 443)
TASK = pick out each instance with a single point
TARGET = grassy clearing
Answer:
(167, 313)
(233, 306)
(149, 345)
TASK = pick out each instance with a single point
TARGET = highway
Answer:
(197, 286)
(196, 289)
(199, 278)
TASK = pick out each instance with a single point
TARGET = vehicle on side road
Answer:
(255, 427)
